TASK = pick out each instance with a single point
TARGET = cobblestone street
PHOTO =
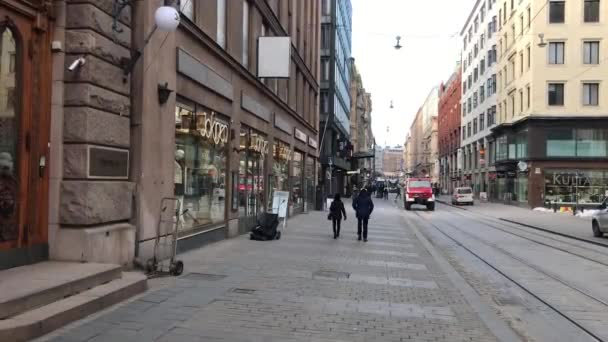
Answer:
(305, 287)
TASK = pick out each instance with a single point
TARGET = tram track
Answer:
(507, 229)
(574, 290)
(548, 231)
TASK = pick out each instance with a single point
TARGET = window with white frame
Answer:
(591, 93)
(591, 52)
(556, 52)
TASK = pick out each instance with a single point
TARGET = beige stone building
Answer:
(551, 140)
(362, 137)
(393, 162)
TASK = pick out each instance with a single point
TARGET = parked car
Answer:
(418, 191)
(599, 220)
(463, 195)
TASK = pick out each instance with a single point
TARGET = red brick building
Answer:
(450, 94)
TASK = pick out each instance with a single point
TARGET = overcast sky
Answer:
(430, 31)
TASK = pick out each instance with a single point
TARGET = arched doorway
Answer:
(24, 135)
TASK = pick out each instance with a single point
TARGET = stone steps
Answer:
(37, 299)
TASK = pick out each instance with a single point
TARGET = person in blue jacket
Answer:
(364, 206)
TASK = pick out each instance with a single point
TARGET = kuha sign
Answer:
(208, 126)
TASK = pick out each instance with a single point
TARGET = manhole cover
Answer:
(507, 301)
(331, 274)
(245, 291)
(203, 276)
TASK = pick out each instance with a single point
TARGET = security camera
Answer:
(77, 64)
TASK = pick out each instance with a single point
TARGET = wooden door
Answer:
(25, 70)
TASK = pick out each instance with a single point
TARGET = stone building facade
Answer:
(362, 137)
(114, 134)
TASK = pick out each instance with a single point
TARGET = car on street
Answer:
(599, 220)
(418, 191)
(463, 195)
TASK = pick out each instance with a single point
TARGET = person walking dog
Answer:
(336, 212)
(363, 206)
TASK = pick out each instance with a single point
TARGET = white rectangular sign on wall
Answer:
(274, 57)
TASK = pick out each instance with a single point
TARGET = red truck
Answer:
(418, 191)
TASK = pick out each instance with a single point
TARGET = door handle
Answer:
(41, 166)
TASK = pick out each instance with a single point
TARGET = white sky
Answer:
(405, 76)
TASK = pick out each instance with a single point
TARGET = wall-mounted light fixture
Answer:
(163, 93)
(542, 42)
(166, 18)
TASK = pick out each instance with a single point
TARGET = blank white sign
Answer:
(274, 57)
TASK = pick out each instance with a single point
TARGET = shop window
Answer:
(568, 142)
(501, 148)
(591, 142)
(253, 150)
(572, 186)
(200, 165)
(560, 142)
(309, 180)
(296, 190)
(281, 154)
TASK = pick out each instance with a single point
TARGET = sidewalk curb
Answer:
(501, 330)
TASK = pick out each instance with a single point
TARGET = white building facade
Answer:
(479, 98)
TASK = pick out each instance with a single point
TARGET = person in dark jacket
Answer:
(336, 210)
(363, 206)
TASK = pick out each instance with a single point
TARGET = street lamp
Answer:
(542, 42)
(398, 45)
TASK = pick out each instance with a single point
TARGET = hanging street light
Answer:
(398, 45)
(542, 42)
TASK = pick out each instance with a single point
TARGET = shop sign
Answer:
(312, 143)
(211, 128)
(571, 179)
(522, 166)
(511, 174)
(283, 151)
(300, 135)
(500, 175)
(105, 162)
(537, 171)
(259, 144)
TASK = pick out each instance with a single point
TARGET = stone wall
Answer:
(94, 211)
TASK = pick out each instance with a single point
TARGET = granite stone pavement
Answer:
(305, 287)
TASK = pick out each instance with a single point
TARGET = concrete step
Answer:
(32, 286)
(42, 320)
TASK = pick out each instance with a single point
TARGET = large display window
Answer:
(572, 186)
(296, 191)
(253, 151)
(201, 137)
(279, 179)
(309, 181)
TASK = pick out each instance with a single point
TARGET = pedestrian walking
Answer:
(386, 193)
(336, 212)
(398, 190)
(363, 206)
